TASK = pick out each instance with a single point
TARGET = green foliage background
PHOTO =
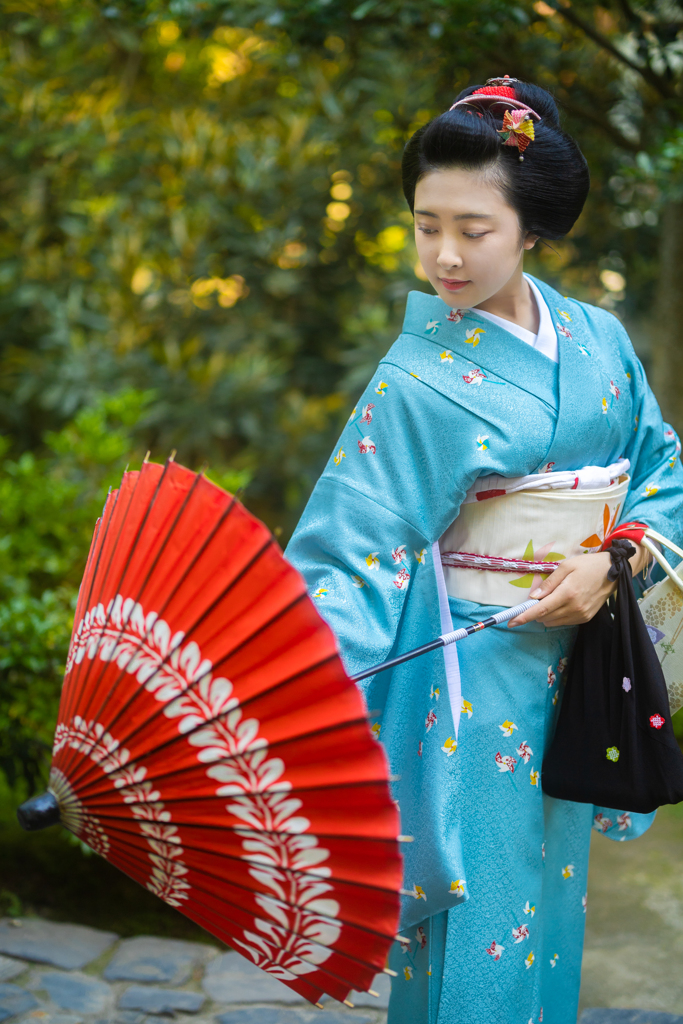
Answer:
(204, 246)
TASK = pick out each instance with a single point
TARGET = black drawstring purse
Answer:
(614, 745)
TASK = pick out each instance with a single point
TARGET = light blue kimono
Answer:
(497, 871)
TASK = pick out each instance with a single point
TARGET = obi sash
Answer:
(506, 540)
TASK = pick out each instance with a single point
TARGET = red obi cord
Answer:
(631, 531)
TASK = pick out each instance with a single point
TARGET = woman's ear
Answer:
(530, 240)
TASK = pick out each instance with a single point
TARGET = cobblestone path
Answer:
(69, 974)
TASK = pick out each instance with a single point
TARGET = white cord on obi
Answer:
(589, 478)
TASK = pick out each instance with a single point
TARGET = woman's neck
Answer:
(515, 302)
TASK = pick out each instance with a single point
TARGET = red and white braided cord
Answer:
(493, 563)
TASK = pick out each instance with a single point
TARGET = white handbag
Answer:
(662, 610)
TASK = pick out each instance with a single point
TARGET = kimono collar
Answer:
(484, 344)
(580, 378)
(587, 367)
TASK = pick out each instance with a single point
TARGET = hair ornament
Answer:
(517, 130)
(498, 97)
(505, 80)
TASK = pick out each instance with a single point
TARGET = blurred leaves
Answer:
(196, 208)
(204, 245)
(200, 198)
(49, 503)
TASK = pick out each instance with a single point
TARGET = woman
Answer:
(494, 379)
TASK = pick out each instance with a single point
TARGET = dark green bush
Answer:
(49, 503)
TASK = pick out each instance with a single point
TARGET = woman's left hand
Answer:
(576, 590)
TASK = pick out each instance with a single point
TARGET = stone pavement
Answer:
(69, 974)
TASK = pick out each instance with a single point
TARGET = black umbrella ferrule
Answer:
(39, 812)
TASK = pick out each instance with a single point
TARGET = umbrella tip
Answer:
(320, 1006)
(371, 992)
(173, 454)
(39, 812)
(388, 970)
(146, 458)
(405, 839)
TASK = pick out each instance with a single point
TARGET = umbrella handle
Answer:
(448, 638)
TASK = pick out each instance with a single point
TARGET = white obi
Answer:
(533, 521)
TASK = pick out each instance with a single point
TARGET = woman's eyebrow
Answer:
(458, 216)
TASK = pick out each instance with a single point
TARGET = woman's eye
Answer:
(426, 231)
(479, 234)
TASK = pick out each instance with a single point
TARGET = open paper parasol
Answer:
(211, 746)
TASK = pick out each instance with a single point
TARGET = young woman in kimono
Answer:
(494, 379)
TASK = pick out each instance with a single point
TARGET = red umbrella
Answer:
(212, 747)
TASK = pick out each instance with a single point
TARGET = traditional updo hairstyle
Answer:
(547, 185)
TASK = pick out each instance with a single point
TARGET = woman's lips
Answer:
(452, 285)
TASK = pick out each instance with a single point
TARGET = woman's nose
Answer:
(447, 259)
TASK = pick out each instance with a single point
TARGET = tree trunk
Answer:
(666, 376)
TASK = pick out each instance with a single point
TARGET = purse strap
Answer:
(641, 533)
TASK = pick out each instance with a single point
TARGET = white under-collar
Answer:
(546, 339)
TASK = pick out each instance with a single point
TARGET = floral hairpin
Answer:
(517, 130)
(496, 97)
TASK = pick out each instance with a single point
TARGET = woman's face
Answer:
(468, 238)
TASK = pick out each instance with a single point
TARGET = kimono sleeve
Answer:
(392, 486)
(656, 493)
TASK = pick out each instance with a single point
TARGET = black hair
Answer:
(547, 189)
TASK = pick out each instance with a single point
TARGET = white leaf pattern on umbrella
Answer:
(298, 937)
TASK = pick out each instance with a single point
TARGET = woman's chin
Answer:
(461, 298)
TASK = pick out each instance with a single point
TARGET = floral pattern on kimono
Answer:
(467, 792)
